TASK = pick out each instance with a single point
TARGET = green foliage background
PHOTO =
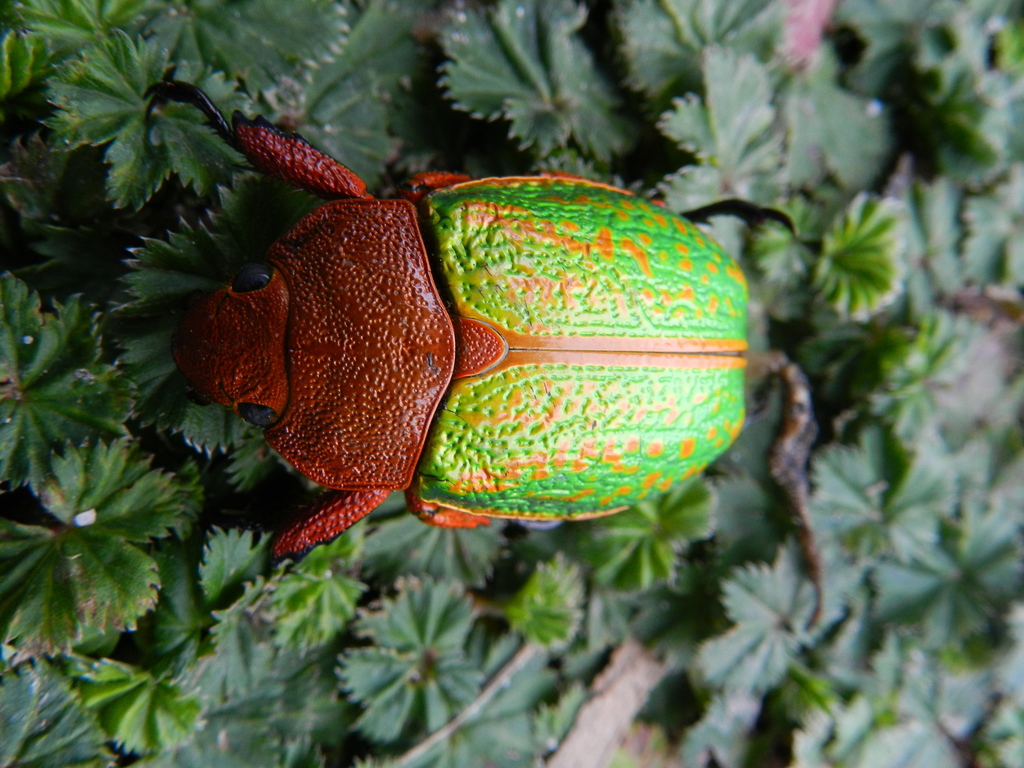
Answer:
(143, 622)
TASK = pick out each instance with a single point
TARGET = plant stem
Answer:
(522, 657)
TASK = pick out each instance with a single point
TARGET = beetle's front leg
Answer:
(328, 517)
(269, 149)
(789, 455)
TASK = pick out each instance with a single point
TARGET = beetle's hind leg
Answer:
(268, 148)
(788, 457)
(442, 517)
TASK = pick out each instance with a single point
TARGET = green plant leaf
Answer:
(138, 711)
(924, 380)
(994, 251)
(84, 567)
(833, 131)
(730, 131)
(553, 721)
(547, 608)
(243, 653)
(53, 386)
(44, 726)
(962, 115)
(1010, 47)
(25, 64)
(416, 675)
(351, 100)
(404, 545)
(177, 632)
(524, 61)
(69, 25)
(934, 268)
(662, 41)
(954, 589)
(261, 704)
(720, 736)
(1010, 669)
(877, 498)
(315, 600)
(102, 100)
(636, 548)
(934, 709)
(770, 607)
(261, 41)
(859, 267)
(231, 558)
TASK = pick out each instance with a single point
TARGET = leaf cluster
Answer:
(143, 624)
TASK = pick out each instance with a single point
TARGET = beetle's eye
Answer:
(251, 277)
(197, 397)
(261, 416)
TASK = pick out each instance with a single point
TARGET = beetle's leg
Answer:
(186, 93)
(442, 517)
(329, 516)
(788, 458)
(423, 183)
(269, 149)
(751, 213)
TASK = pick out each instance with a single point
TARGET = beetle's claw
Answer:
(751, 213)
(185, 93)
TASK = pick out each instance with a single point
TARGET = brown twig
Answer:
(602, 723)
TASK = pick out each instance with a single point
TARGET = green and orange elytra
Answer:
(539, 348)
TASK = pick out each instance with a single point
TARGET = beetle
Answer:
(534, 347)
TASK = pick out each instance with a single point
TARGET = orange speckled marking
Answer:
(637, 253)
(611, 455)
(649, 481)
(686, 448)
(713, 304)
(735, 273)
(655, 448)
(712, 433)
(712, 267)
(604, 244)
(632, 445)
(645, 238)
(660, 220)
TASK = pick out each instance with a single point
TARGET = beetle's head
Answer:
(231, 345)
